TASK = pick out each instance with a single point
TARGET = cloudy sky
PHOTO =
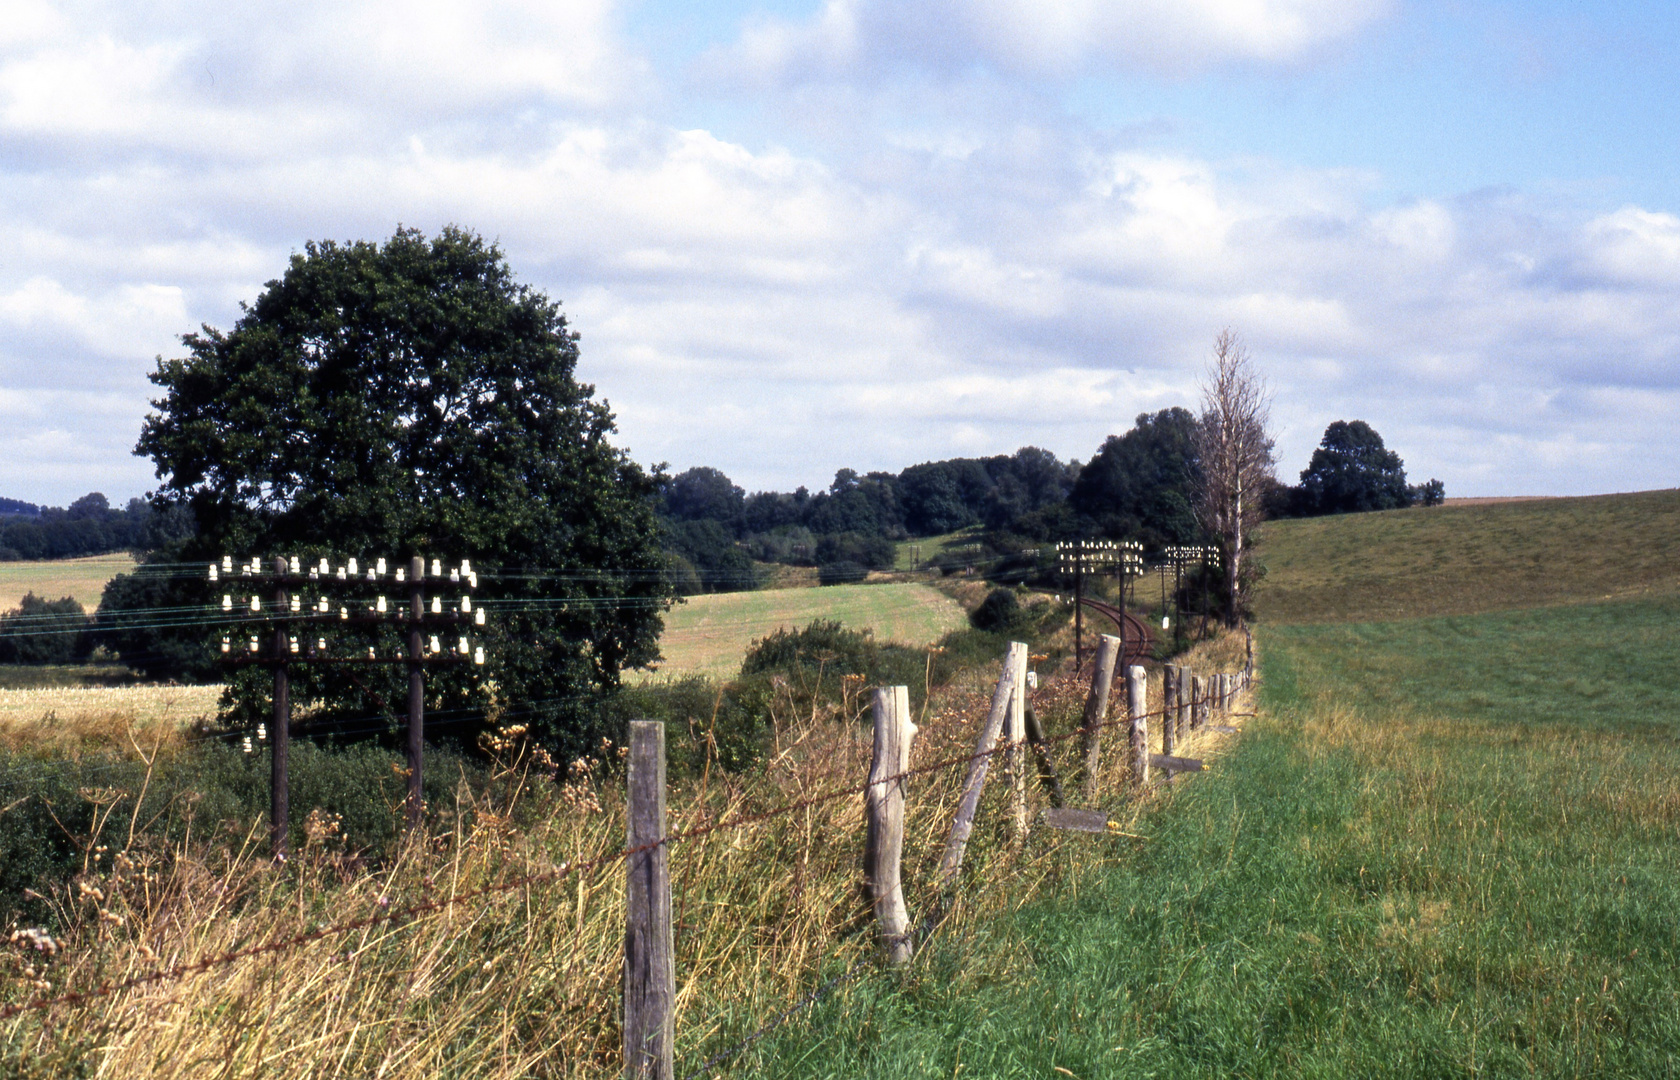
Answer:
(802, 234)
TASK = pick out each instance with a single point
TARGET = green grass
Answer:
(710, 635)
(911, 554)
(1464, 559)
(1450, 846)
(83, 579)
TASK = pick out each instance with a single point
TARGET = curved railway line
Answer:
(1140, 642)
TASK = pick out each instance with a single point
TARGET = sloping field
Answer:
(1461, 559)
(710, 635)
(83, 579)
(1448, 846)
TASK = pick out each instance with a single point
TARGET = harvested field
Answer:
(710, 635)
(69, 719)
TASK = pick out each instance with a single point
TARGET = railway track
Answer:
(1140, 642)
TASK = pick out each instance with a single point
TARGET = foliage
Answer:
(843, 572)
(1352, 472)
(88, 526)
(40, 631)
(872, 552)
(1142, 485)
(999, 613)
(702, 494)
(413, 398)
(718, 563)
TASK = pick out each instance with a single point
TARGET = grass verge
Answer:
(1432, 856)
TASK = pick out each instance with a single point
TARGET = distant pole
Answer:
(650, 973)
(416, 691)
(280, 746)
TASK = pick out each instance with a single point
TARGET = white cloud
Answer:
(941, 276)
(1053, 38)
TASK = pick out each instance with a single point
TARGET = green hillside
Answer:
(1449, 560)
(1449, 845)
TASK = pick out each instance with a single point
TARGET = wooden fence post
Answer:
(650, 978)
(1186, 707)
(950, 864)
(1096, 710)
(1169, 732)
(1017, 753)
(1198, 702)
(1137, 706)
(884, 799)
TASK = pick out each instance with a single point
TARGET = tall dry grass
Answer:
(510, 967)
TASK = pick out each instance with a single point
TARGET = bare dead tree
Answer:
(1236, 457)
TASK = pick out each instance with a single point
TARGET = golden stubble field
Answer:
(710, 635)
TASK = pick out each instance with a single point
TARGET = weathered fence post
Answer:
(950, 864)
(1137, 706)
(1169, 733)
(1198, 702)
(1096, 709)
(650, 978)
(1186, 707)
(1017, 661)
(884, 798)
(1046, 764)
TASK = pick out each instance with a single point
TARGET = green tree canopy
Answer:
(412, 398)
(1351, 471)
(1141, 485)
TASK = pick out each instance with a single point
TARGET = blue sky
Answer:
(864, 233)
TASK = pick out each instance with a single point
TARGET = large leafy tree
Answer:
(1352, 471)
(413, 398)
(1142, 485)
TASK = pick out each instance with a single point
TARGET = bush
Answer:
(844, 572)
(41, 631)
(1000, 613)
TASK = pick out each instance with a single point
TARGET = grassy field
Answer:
(710, 635)
(1462, 559)
(1447, 847)
(83, 579)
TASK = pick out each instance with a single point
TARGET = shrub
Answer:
(999, 613)
(844, 572)
(41, 631)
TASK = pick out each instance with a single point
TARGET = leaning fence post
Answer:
(650, 979)
(1096, 709)
(884, 799)
(1137, 706)
(950, 864)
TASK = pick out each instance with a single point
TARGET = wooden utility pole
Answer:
(280, 744)
(650, 975)
(416, 692)
(1096, 709)
(884, 800)
(1078, 605)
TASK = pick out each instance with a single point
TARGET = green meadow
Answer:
(1449, 845)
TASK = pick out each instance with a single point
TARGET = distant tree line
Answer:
(88, 526)
(1139, 485)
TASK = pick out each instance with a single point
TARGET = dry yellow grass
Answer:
(67, 721)
(83, 579)
(520, 981)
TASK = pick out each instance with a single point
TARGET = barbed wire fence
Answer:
(1190, 703)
